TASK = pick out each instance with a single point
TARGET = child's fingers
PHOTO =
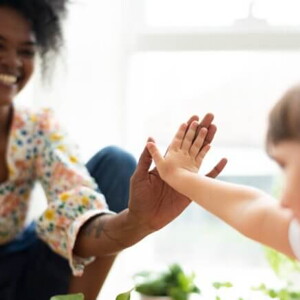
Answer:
(202, 153)
(189, 136)
(179, 136)
(198, 142)
(218, 168)
(154, 152)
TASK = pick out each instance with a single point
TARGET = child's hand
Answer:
(153, 202)
(185, 154)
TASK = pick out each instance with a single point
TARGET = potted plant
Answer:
(172, 284)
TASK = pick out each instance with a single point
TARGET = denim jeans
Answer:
(112, 169)
(29, 269)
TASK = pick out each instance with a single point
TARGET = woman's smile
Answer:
(17, 49)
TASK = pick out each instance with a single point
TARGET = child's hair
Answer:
(284, 118)
(45, 17)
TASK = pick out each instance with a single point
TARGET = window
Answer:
(195, 13)
(232, 58)
(143, 67)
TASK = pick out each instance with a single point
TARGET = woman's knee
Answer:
(112, 159)
(117, 155)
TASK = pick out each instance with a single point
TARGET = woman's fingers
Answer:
(212, 129)
(218, 168)
(155, 153)
(207, 120)
(193, 118)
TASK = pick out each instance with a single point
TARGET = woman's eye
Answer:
(28, 53)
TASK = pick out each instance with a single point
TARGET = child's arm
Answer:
(249, 210)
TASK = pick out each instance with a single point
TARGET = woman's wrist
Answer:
(125, 228)
(109, 234)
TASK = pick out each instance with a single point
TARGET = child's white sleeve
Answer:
(294, 237)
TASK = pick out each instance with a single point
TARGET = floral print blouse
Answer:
(38, 149)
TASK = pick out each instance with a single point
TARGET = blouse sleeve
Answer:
(71, 192)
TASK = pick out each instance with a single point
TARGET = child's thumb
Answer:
(154, 152)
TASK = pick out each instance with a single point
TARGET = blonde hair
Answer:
(284, 118)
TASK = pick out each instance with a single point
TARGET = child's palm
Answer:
(186, 152)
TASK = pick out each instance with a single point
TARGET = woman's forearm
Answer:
(109, 234)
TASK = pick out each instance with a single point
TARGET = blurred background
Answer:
(138, 68)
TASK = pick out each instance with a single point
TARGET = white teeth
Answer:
(8, 79)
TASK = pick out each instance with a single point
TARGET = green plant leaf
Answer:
(68, 297)
(153, 288)
(173, 282)
(218, 285)
(281, 264)
(178, 294)
(184, 282)
(282, 294)
(124, 296)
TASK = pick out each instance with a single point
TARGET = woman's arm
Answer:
(152, 205)
(109, 234)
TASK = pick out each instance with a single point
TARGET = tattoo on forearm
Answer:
(94, 227)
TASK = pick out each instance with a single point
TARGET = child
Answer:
(77, 235)
(251, 211)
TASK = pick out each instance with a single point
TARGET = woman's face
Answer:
(287, 155)
(17, 53)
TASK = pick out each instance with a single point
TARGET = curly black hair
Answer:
(46, 18)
